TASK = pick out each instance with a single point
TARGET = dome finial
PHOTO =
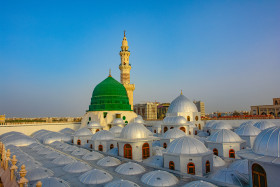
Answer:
(110, 73)
(181, 92)
(124, 33)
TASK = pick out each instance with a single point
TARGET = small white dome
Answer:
(264, 124)
(109, 161)
(93, 125)
(116, 130)
(95, 176)
(44, 151)
(53, 182)
(103, 135)
(130, 168)
(38, 173)
(92, 156)
(118, 121)
(267, 142)
(138, 120)
(230, 176)
(121, 183)
(247, 123)
(209, 124)
(67, 131)
(159, 178)
(221, 125)
(240, 166)
(61, 146)
(199, 184)
(134, 131)
(186, 145)
(83, 132)
(175, 120)
(30, 164)
(53, 155)
(173, 133)
(17, 140)
(181, 105)
(224, 136)
(70, 148)
(77, 167)
(202, 134)
(63, 160)
(218, 161)
(80, 152)
(247, 130)
(156, 161)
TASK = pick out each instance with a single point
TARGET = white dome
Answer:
(221, 125)
(156, 161)
(264, 124)
(92, 156)
(181, 105)
(130, 168)
(218, 161)
(94, 124)
(67, 131)
(175, 120)
(247, 123)
(134, 131)
(44, 151)
(70, 148)
(159, 178)
(38, 173)
(30, 164)
(116, 130)
(224, 136)
(186, 145)
(17, 140)
(122, 183)
(202, 134)
(53, 155)
(199, 184)
(240, 166)
(62, 145)
(230, 176)
(63, 160)
(95, 176)
(109, 161)
(138, 120)
(209, 124)
(118, 121)
(103, 135)
(83, 132)
(247, 130)
(173, 133)
(53, 182)
(77, 167)
(267, 142)
(80, 152)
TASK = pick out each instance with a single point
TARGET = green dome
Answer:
(109, 95)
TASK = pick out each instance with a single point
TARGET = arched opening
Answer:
(215, 151)
(190, 133)
(195, 133)
(87, 141)
(171, 165)
(183, 129)
(72, 141)
(278, 114)
(97, 130)
(207, 166)
(199, 126)
(189, 118)
(127, 151)
(100, 148)
(78, 142)
(263, 113)
(118, 149)
(164, 145)
(196, 118)
(171, 127)
(91, 146)
(258, 176)
(231, 153)
(276, 102)
(155, 131)
(145, 151)
(111, 146)
(191, 168)
(272, 113)
(165, 129)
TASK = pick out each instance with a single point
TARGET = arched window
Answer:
(258, 176)
(196, 118)
(183, 129)
(171, 165)
(100, 148)
(207, 166)
(91, 146)
(191, 168)
(118, 149)
(72, 141)
(111, 146)
(145, 151)
(199, 126)
(87, 141)
(231, 153)
(190, 133)
(165, 129)
(195, 132)
(188, 118)
(215, 151)
(155, 131)
(164, 145)
(97, 130)
(127, 151)
(78, 142)
(171, 127)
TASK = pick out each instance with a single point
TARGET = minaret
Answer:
(125, 68)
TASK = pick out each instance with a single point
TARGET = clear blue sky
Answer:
(53, 53)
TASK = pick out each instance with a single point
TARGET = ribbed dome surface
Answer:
(186, 145)
(83, 132)
(173, 133)
(93, 124)
(109, 95)
(138, 120)
(77, 167)
(230, 176)
(181, 105)
(130, 168)
(264, 124)
(70, 148)
(95, 176)
(247, 123)
(154, 161)
(218, 161)
(79, 152)
(109, 161)
(268, 142)
(116, 130)
(52, 155)
(199, 184)
(247, 130)
(221, 125)
(122, 183)
(241, 166)
(134, 131)
(175, 120)
(118, 121)
(103, 135)
(224, 136)
(63, 160)
(159, 178)
(92, 156)
(53, 182)
(38, 173)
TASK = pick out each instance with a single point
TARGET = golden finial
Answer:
(110, 73)
(181, 92)
(124, 33)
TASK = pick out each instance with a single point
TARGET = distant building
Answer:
(200, 107)
(147, 110)
(2, 118)
(267, 109)
(162, 110)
